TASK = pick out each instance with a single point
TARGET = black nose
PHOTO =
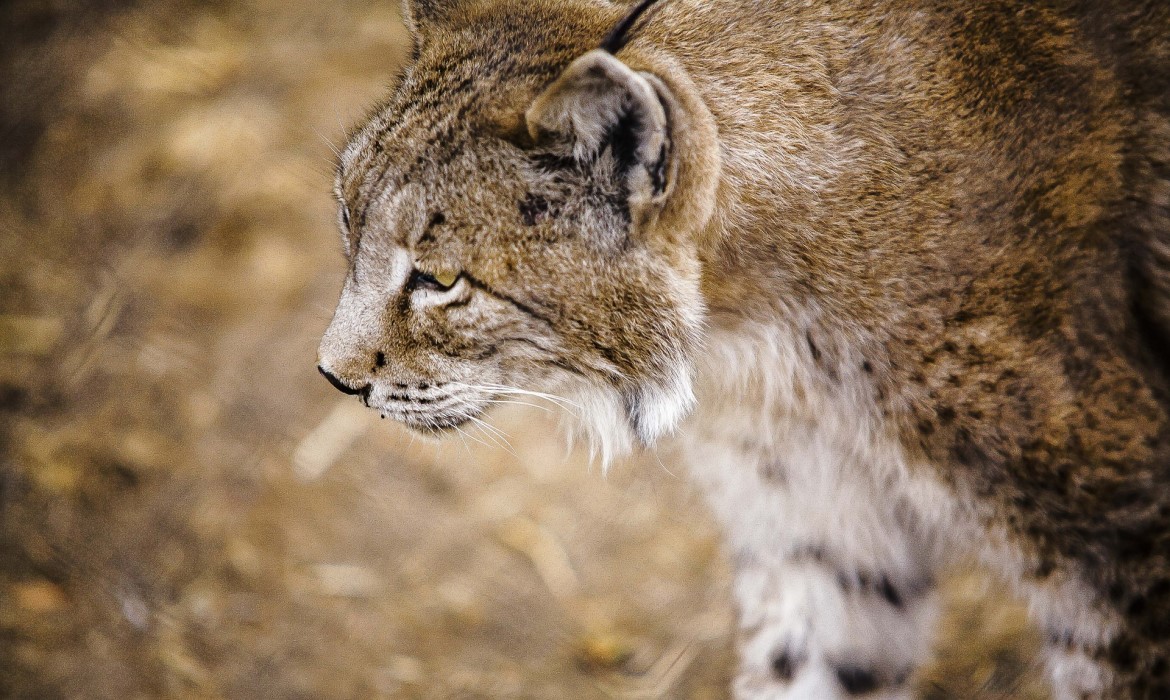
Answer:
(341, 386)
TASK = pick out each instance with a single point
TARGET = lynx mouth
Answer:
(427, 418)
(432, 426)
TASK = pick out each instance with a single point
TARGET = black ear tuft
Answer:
(619, 35)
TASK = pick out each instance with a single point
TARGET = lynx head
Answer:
(522, 215)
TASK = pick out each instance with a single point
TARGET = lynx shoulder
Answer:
(891, 278)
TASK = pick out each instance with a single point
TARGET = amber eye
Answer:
(439, 281)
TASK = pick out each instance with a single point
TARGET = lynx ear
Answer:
(598, 106)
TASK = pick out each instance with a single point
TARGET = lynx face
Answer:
(500, 227)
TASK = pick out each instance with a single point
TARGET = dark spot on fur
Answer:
(856, 680)
(183, 235)
(946, 415)
(810, 552)
(534, 209)
(120, 476)
(960, 317)
(380, 359)
(773, 471)
(786, 664)
(554, 162)
(812, 347)
(1062, 640)
(878, 585)
(1136, 607)
(867, 367)
(12, 398)
(437, 219)
(966, 451)
(887, 591)
(1124, 655)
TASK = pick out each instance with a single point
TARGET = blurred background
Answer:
(187, 510)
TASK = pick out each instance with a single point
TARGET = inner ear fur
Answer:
(599, 102)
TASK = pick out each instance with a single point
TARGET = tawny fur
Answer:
(892, 278)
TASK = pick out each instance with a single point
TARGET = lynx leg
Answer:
(1074, 670)
(834, 586)
(813, 624)
(1078, 633)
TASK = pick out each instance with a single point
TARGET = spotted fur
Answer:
(891, 278)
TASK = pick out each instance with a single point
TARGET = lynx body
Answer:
(892, 278)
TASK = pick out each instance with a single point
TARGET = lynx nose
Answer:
(342, 386)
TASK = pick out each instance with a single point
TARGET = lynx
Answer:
(891, 278)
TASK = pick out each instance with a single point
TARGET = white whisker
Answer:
(463, 434)
(658, 458)
(521, 403)
(560, 401)
(489, 430)
(329, 142)
(498, 431)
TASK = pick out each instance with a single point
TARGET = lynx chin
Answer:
(892, 279)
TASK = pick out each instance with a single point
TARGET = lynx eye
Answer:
(439, 281)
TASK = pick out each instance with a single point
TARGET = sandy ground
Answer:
(188, 511)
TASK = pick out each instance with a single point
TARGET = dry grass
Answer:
(187, 510)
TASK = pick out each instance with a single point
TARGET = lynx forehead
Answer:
(892, 277)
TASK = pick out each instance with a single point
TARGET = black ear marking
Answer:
(618, 37)
(622, 139)
(658, 171)
(611, 122)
